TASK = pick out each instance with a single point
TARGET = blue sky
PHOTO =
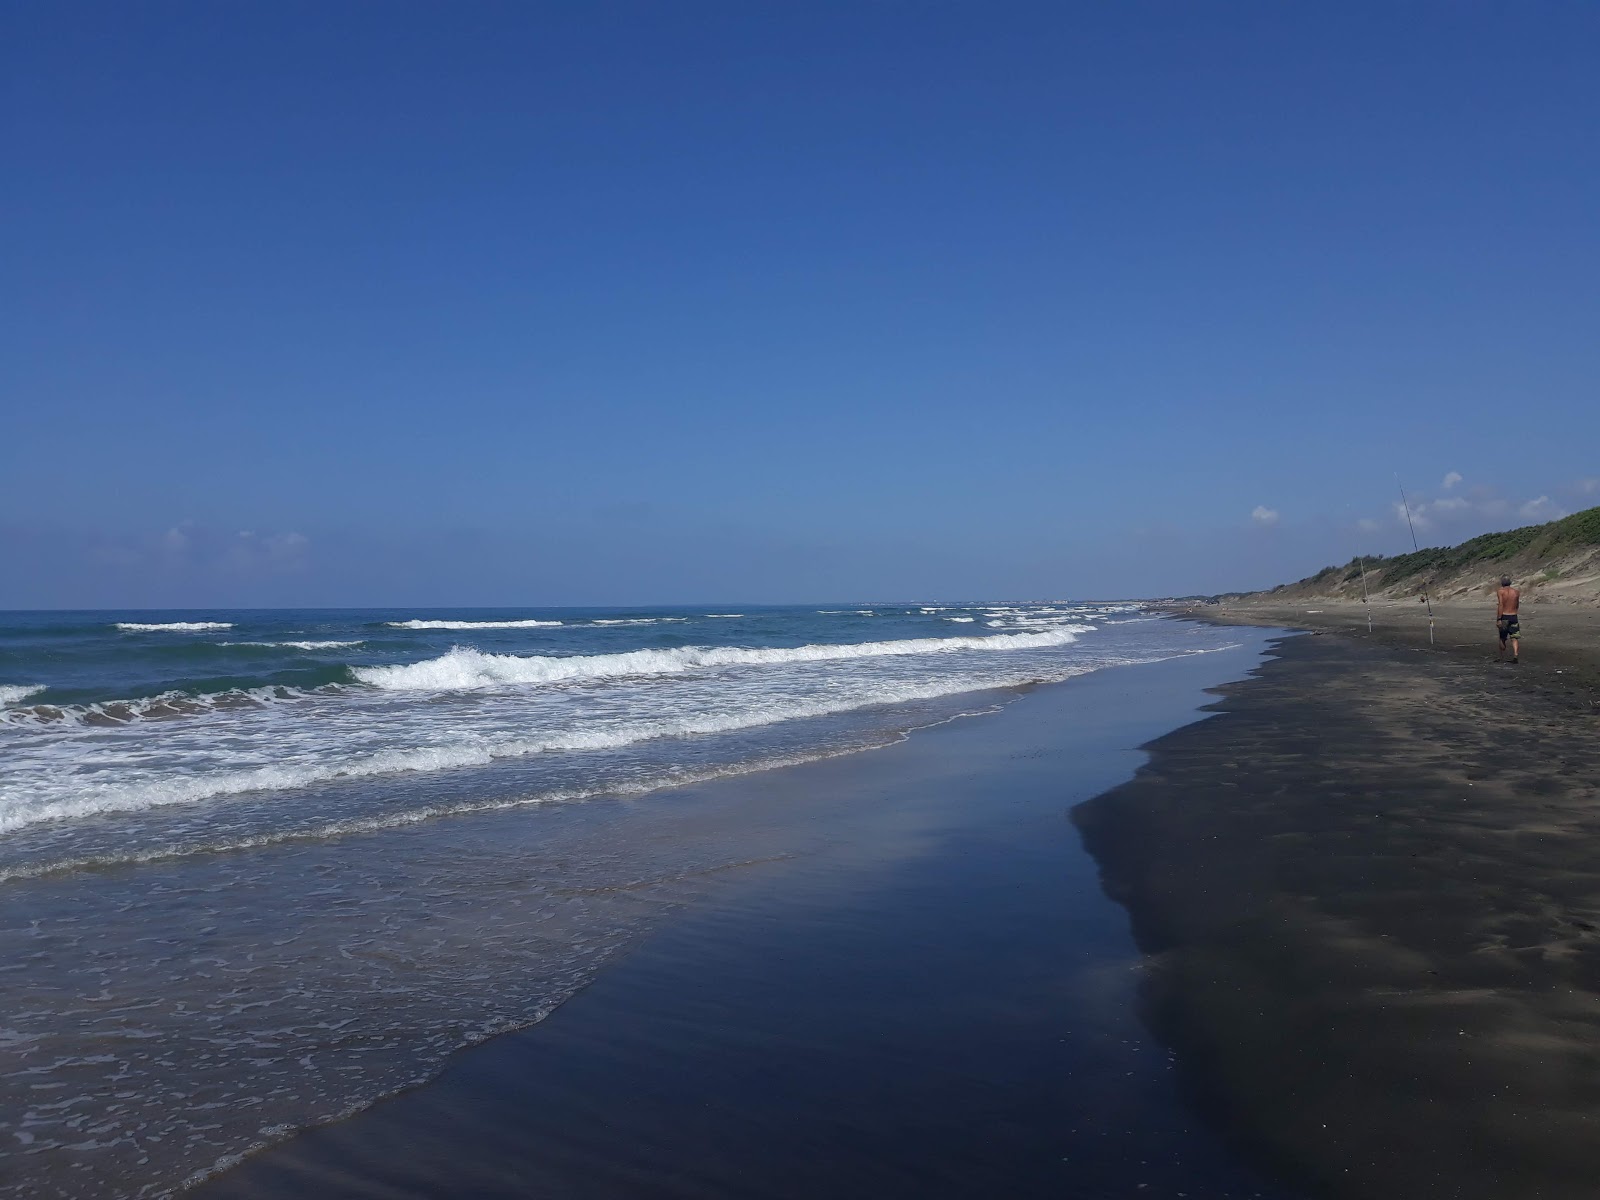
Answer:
(348, 303)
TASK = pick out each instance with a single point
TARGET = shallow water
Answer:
(929, 997)
(197, 968)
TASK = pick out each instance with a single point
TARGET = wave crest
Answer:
(470, 753)
(146, 708)
(296, 645)
(465, 668)
(528, 624)
(172, 626)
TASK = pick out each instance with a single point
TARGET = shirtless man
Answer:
(1505, 616)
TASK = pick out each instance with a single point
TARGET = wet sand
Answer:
(1371, 890)
(932, 998)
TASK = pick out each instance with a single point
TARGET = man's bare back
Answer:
(1505, 617)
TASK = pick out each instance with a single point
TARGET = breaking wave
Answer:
(530, 624)
(297, 645)
(173, 626)
(464, 667)
(12, 693)
(107, 713)
(99, 799)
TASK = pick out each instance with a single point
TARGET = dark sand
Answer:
(935, 1001)
(1372, 890)
(1560, 642)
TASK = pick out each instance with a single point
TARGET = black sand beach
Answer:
(933, 999)
(1365, 890)
(1560, 641)
(1372, 896)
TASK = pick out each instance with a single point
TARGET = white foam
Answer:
(92, 798)
(464, 667)
(724, 615)
(415, 816)
(962, 620)
(637, 620)
(297, 645)
(470, 624)
(12, 693)
(173, 626)
(161, 705)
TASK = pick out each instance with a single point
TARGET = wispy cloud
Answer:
(1479, 508)
(1418, 518)
(1264, 516)
(189, 545)
(1542, 508)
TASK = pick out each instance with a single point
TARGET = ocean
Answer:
(260, 868)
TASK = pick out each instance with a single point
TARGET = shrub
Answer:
(1579, 530)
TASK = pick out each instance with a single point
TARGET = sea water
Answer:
(260, 868)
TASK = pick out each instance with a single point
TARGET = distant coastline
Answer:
(1557, 562)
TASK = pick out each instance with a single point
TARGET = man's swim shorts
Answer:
(1509, 626)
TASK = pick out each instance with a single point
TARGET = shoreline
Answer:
(1382, 974)
(1560, 641)
(934, 999)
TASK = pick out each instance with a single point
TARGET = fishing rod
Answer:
(1406, 504)
(1364, 602)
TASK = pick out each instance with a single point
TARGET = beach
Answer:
(1560, 640)
(934, 999)
(1221, 912)
(1370, 894)
(262, 869)
(581, 607)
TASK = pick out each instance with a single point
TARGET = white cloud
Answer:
(1264, 516)
(1541, 508)
(249, 552)
(1419, 517)
(287, 545)
(1475, 508)
(191, 547)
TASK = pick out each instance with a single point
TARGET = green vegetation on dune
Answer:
(1531, 543)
